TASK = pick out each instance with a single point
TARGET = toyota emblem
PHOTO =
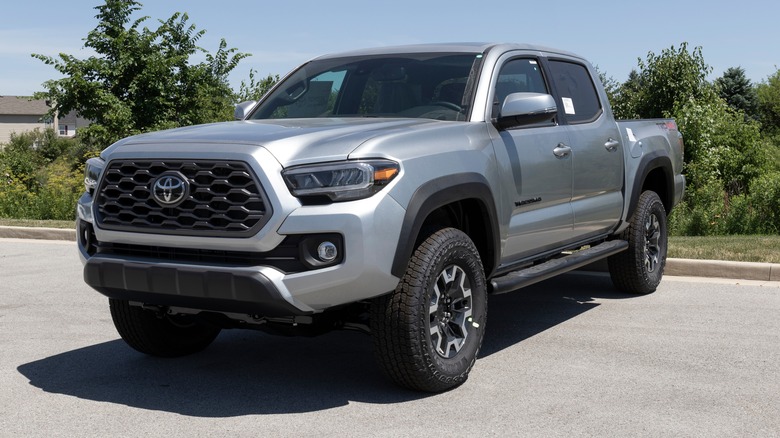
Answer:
(170, 189)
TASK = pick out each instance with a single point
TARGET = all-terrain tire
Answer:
(160, 335)
(639, 269)
(427, 333)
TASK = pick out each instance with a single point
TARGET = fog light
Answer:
(319, 251)
(327, 251)
(87, 237)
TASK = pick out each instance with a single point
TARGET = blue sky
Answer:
(281, 35)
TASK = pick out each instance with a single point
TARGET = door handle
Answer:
(612, 145)
(561, 151)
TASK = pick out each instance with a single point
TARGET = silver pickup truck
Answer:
(390, 190)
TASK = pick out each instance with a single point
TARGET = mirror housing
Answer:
(522, 109)
(243, 109)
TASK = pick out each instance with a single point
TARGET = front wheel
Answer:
(639, 269)
(160, 334)
(427, 333)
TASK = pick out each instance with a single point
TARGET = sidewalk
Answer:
(676, 267)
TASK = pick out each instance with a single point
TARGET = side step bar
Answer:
(528, 276)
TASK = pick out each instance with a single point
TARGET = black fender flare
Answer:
(649, 163)
(435, 194)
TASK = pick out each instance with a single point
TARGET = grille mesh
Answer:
(224, 199)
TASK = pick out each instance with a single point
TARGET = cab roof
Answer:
(465, 47)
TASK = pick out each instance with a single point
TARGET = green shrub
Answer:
(15, 197)
(712, 211)
(60, 189)
(740, 216)
(701, 213)
(40, 176)
(765, 200)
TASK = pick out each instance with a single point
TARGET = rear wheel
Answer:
(640, 268)
(427, 333)
(159, 334)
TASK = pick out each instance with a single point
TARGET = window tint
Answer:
(518, 76)
(577, 94)
(316, 99)
(426, 85)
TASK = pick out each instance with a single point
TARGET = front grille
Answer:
(224, 198)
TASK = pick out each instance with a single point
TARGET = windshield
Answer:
(424, 85)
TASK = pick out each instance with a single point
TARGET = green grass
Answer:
(764, 249)
(37, 223)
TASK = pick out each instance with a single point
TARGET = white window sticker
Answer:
(630, 134)
(568, 105)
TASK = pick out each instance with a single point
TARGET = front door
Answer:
(540, 162)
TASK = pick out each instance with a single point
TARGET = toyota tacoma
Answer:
(390, 190)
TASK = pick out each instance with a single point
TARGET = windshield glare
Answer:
(415, 85)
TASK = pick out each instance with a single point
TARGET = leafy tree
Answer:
(725, 152)
(670, 79)
(768, 93)
(626, 97)
(611, 86)
(721, 147)
(255, 88)
(735, 88)
(141, 79)
(19, 159)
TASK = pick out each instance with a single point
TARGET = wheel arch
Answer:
(653, 173)
(464, 201)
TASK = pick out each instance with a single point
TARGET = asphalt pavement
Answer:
(567, 357)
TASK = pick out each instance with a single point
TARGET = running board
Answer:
(528, 276)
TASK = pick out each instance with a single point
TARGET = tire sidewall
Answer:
(455, 251)
(656, 207)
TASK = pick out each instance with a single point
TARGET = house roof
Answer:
(22, 106)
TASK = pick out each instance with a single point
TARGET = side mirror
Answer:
(243, 108)
(521, 109)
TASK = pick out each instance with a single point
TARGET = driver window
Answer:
(518, 76)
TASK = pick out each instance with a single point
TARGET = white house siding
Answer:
(21, 114)
(18, 124)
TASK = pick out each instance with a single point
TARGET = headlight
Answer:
(92, 171)
(344, 181)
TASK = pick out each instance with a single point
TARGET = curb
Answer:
(674, 267)
(723, 269)
(38, 233)
(710, 269)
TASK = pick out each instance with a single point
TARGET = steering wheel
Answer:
(448, 105)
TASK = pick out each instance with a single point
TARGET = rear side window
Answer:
(576, 93)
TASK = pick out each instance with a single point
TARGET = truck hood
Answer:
(291, 141)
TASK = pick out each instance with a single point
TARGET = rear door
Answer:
(597, 172)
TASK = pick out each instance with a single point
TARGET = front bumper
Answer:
(370, 229)
(238, 290)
